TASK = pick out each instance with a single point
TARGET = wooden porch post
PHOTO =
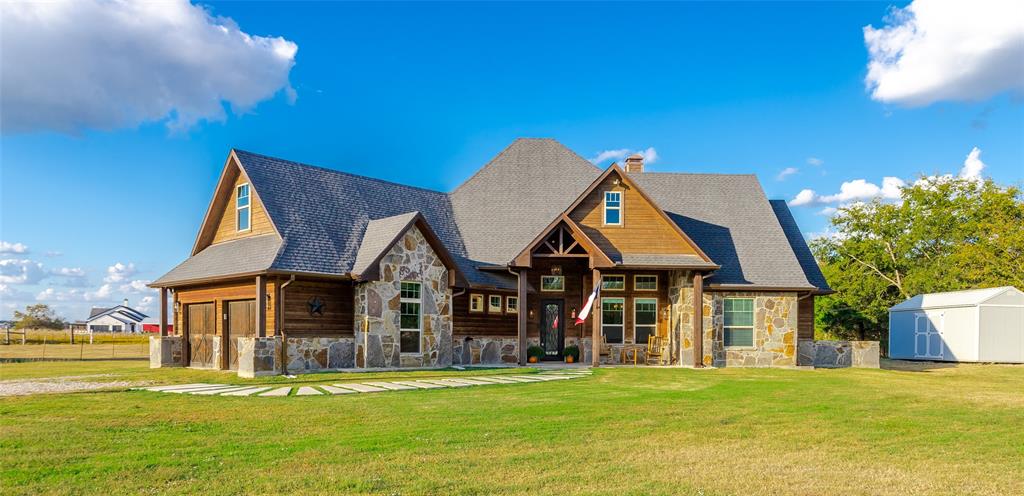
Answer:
(261, 306)
(698, 320)
(521, 316)
(595, 315)
(163, 312)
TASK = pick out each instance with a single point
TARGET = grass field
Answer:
(920, 430)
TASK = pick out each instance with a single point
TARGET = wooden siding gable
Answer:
(598, 258)
(645, 228)
(219, 222)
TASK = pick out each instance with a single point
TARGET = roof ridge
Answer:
(509, 147)
(674, 173)
(339, 172)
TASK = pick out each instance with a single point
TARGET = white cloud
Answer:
(69, 272)
(804, 197)
(936, 50)
(9, 293)
(53, 253)
(852, 191)
(788, 171)
(18, 248)
(815, 161)
(21, 271)
(827, 211)
(973, 165)
(136, 286)
(112, 64)
(120, 272)
(650, 155)
(145, 304)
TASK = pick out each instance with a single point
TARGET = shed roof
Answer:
(962, 298)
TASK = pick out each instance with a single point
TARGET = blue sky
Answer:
(425, 94)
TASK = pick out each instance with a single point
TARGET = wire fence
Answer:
(63, 345)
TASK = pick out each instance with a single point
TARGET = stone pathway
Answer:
(377, 386)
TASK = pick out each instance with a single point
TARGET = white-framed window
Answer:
(739, 322)
(410, 327)
(552, 283)
(494, 304)
(613, 283)
(476, 303)
(645, 283)
(243, 208)
(645, 319)
(511, 304)
(612, 319)
(613, 208)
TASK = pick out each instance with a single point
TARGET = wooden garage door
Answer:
(202, 330)
(241, 322)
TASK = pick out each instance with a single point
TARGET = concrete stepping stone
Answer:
(249, 391)
(472, 382)
(210, 392)
(336, 390)
(200, 388)
(176, 386)
(421, 384)
(361, 388)
(446, 382)
(496, 380)
(512, 379)
(282, 391)
(308, 391)
(529, 378)
(394, 386)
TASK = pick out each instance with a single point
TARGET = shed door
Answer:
(928, 335)
(241, 322)
(201, 322)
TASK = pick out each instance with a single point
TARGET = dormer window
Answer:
(613, 208)
(242, 207)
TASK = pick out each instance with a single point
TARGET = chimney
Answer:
(635, 163)
(125, 302)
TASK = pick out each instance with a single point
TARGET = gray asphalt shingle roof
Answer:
(239, 256)
(331, 221)
(379, 235)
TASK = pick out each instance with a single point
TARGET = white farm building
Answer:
(978, 325)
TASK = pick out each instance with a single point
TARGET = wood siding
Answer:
(226, 229)
(643, 229)
(579, 284)
(475, 324)
(338, 305)
(805, 318)
(221, 293)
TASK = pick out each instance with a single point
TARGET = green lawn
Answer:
(922, 430)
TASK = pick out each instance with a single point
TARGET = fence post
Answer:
(81, 350)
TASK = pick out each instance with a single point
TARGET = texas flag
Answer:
(582, 317)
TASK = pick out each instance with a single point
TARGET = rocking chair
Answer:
(657, 346)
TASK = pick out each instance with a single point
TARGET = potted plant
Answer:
(534, 354)
(571, 354)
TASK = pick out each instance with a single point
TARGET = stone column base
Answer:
(259, 356)
(165, 351)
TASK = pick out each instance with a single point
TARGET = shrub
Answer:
(535, 351)
(573, 351)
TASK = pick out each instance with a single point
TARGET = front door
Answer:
(200, 321)
(552, 328)
(241, 322)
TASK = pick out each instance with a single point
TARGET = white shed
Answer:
(977, 325)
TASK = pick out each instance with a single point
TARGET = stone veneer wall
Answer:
(486, 351)
(312, 354)
(839, 354)
(165, 351)
(410, 259)
(775, 326)
(259, 356)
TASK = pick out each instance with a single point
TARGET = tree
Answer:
(945, 234)
(39, 316)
